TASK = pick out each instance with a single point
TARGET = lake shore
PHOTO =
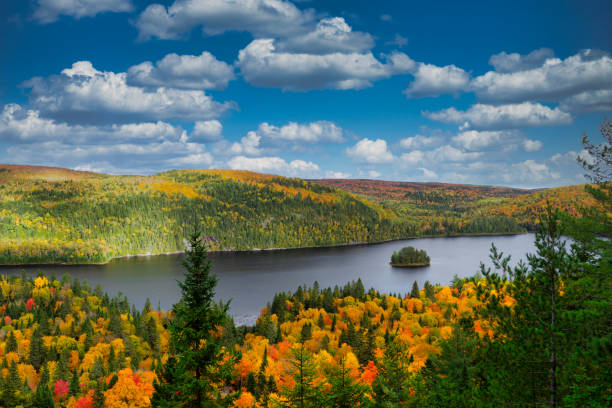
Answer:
(351, 244)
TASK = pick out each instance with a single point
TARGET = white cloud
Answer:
(337, 175)
(475, 140)
(370, 151)
(589, 101)
(261, 64)
(412, 158)
(182, 71)
(419, 141)
(374, 174)
(130, 157)
(531, 171)
(449, 153)
(314, 132)
(329, 36)
(515, 62)
(512, 116)
(428, 173)
(84, 94)
(386, 17)
(531, 145)
(48, 11)
(431, 80)
(207, 131)
(259, 17)
(555, 79)
(274, 165)
(22, 125)
(249, 145)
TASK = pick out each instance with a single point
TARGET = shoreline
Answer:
(264, 249)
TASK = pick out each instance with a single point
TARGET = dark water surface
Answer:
(250, 279)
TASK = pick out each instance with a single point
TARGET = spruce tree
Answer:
(43, 398)
(307, 392)
(196, 316)
(415, 293)
(344, 391)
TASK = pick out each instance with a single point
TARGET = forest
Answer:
(536, 334)
(55, 215)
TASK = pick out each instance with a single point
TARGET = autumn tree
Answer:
(196, 317)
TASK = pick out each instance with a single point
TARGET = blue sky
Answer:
(427, 91)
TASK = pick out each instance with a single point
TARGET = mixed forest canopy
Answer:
(54, 215)
(410, 256)
(537, 334)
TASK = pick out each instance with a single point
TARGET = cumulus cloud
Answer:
(314, 132)
(274, 165)
(370, 151)
(260, 17)
(419, 142)
(48, 11)
(555, 79)
(589, 101)
(84, 94)
(249, 145)
(128, 157)
(531, 145)
(21, 125)
(531, 170)
(330, 35)
(511, 116)
(207, 131)
(431, 80)
(182, 71)
(261, 64)
(514, 62)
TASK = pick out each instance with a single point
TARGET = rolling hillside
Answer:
(54, 215)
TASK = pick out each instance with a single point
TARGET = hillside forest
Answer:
(54, 215)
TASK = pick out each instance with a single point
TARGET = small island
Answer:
(409, 257)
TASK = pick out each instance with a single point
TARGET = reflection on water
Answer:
(250, 279)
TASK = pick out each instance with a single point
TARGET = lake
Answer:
(250, 279)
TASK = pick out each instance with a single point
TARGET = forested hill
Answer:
(54, 215)
(442, 207)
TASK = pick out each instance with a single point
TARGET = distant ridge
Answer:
(57, 215)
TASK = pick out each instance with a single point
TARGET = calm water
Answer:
(250, 279)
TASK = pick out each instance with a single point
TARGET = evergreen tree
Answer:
(344, 391)
(168, 388)
(75, 386)
(11, 343)
(307, 392)
(415, 293)
(391, 386)
(36, 350)
(43, 397)
(196, 316)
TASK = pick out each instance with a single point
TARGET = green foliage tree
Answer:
(392, 384)
(196, 317)
(307, 392)
(344, 391)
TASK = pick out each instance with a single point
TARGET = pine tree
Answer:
(168, 388)
(36, 350)
(195, 318)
